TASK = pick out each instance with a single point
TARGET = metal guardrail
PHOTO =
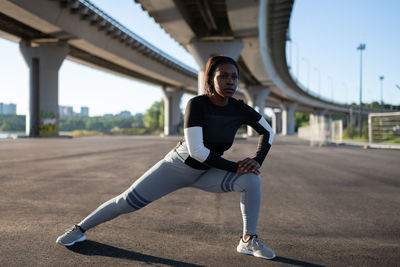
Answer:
(126, 33)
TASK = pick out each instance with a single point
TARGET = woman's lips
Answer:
(229, 90)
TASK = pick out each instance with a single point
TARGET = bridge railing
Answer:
(124, 32)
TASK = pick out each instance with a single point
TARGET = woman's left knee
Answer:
(251, 180)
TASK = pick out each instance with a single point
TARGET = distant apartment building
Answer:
(84, 112)
(65, 111)
(68, 111)
(8, 109)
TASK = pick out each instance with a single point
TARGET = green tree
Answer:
(365, 130)
(72, 123)
(138, 121)
(96, 124)
(12, 123)
(154, 116)
(301, 119)
(351, 131)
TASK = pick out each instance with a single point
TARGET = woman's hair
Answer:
(212, 63)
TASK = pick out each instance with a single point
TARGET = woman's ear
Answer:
(210, 83)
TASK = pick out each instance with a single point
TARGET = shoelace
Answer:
(258, 243)
(71, 229)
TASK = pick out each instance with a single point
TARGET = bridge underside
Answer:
(253, 32)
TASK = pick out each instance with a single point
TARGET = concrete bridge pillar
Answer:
(203, 50)
(276, 120)
(317, 117)
(256, 98)
(288, 117)
(172, 113)
(44, 63)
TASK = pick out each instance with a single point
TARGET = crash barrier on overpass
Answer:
(384, 130)
(322, 132)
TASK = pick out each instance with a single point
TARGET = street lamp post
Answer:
(381, 79)
(361, 47)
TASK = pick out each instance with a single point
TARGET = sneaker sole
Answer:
(82, 238)
(248, 252)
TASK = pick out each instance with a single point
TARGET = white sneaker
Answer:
(71, 236)
(256, 248)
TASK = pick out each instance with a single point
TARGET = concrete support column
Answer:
(273, 121)
(172, 113)
(318, 122)
(317, 117)
(277, 121)
(203, 50)
(44, 63)
(256, 98)
(288, 112)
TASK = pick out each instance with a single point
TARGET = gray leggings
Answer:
(170, 174)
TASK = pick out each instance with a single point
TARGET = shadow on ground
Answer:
(296, 262)
(92, 248)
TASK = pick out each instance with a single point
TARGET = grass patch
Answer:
(135, 131)
(85, 133)
(355, 139)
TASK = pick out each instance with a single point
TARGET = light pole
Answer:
(361, 47)
(319, 81)
(308, 73)
(381, 79)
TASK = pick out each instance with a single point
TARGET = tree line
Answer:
(151, 121)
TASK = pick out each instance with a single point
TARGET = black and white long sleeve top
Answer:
(210, 130)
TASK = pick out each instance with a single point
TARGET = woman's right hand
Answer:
(248, 165)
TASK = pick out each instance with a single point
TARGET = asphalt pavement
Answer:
(321, 206)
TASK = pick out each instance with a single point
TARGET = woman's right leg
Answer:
(165, 177)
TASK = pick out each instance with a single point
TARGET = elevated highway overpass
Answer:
(50, 31)
(253, 32)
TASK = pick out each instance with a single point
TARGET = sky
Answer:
(322, 52)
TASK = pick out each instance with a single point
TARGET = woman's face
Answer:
(225, 80)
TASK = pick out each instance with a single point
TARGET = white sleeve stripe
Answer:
(267, 127)
(195, 143)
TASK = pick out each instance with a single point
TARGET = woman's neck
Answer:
(218, 100)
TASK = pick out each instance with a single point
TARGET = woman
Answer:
(210, 125)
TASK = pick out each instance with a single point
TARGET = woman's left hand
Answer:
(249, 165)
